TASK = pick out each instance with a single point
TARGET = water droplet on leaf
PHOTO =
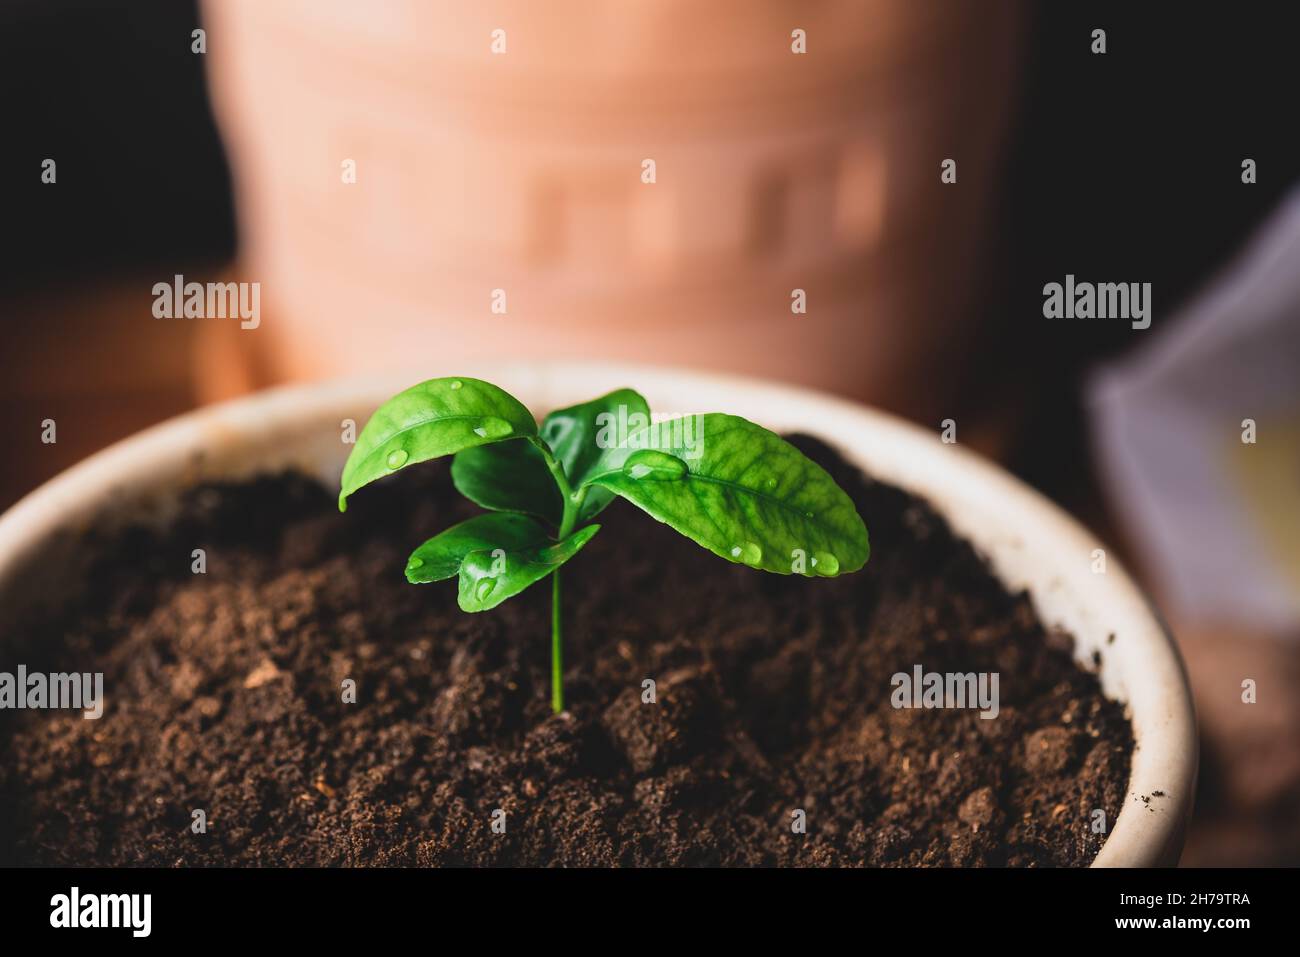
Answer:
(484, 588)
(749, 553)
(491, 427)
(414, 562)
(654, 465)
(824, 563)
(455, 384)
(396, 458)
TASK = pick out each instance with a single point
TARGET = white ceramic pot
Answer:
(1030, 542)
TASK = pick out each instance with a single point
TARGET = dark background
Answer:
(105, 88)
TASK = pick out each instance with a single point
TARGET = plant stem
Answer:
(572, 505)
(557, 647)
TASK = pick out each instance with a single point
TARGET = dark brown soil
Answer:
(223, 693)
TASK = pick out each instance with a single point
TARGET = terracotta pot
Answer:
(522, 172)
(1030, 543)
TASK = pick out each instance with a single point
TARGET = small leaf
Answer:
(508, 477)
(580, 435)
(746, 495)
(435, 418)
(441, 556)
(496, 556)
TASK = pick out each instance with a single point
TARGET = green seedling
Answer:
(742, 492)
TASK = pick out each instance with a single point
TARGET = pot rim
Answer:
(1029, 541)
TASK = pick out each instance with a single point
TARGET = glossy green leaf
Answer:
(745, 494)
(435, 418)
(508, 477)
(580, 435)
(496, 556)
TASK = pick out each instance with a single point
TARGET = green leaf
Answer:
(746, 495)
(580, 435)
(509, 477)
(496, 556)
(435, 418)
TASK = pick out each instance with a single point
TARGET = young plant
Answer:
(739, 490)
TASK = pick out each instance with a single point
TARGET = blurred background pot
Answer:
(516, 178)
(1030, 543)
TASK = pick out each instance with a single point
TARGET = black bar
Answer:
(641, 908)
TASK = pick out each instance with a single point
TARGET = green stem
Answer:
(572, 505)
(557, 647)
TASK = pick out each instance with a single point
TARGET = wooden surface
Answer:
(91, 357)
